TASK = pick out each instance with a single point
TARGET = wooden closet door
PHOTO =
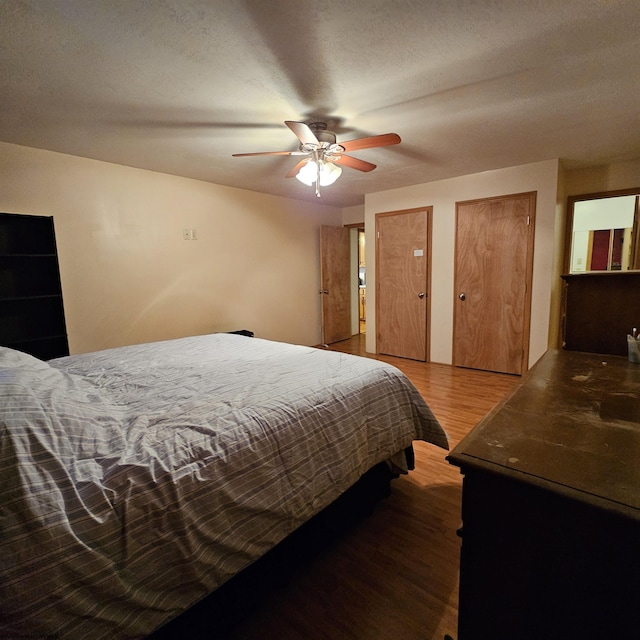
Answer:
(402, 296)
(494, 262)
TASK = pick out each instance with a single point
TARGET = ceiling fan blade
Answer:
(303, 132)
(383, 140)
(271, 153)
(353, 163)
(294, 171)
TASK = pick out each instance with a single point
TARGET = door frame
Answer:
(384, 214)
(353, 274)
(601, 195)
(526, 338)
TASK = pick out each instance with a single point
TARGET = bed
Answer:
(136, 481)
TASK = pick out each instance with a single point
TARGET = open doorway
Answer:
(362, 285)
(358, 280)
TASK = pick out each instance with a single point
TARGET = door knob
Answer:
(421, 295)
(462, 296)
(323, 291)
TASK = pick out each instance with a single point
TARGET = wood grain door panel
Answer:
(494, 256)
(334, 283)
(402, 284)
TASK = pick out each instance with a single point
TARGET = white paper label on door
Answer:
(418, 253)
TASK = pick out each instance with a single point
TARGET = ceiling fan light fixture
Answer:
(307, 173)
(329, 173)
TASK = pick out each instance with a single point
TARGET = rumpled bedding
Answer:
(137, 480)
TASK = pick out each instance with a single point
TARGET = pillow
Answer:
(54, 411)
(12, 359)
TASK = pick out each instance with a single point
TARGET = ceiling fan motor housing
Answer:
(325, 138)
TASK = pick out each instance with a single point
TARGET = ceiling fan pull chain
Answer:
(317, 160)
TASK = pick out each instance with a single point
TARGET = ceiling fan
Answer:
(324, 154)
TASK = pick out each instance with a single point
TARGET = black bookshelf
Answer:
(31, 307)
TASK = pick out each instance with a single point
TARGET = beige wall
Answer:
(541, 177)
(353, 215)
(611, 177)
(127, 274)
(555, 337)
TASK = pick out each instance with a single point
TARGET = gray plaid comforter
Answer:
(136, 480)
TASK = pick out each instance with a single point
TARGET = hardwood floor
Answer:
(396, 574)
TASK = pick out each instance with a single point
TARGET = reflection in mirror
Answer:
(604, 232)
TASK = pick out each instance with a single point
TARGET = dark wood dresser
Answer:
(551, 506)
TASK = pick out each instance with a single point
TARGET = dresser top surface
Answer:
(574, 422)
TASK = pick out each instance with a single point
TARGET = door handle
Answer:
(421, 295)
(462, 296)
(321, 291)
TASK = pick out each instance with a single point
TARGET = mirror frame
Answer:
(571, 201)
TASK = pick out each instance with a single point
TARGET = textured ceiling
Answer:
(179, 85)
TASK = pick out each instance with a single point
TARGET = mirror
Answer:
(602, 232)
